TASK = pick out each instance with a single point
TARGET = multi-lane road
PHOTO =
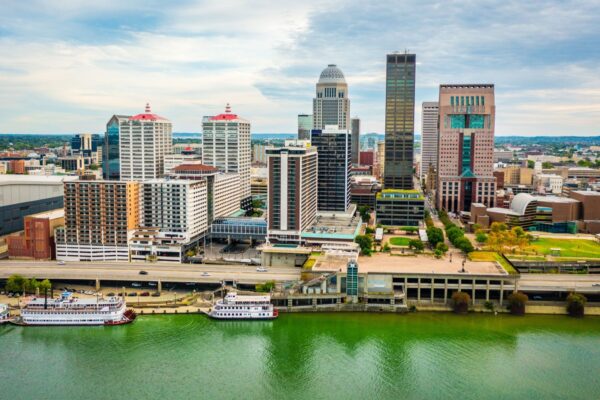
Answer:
(166, 272)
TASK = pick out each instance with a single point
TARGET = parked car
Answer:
(145, 294)
(132, 294)
(538, 298)
(136, 284)
(155, 294)
(111, 294)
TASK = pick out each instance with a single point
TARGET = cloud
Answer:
(69, 65)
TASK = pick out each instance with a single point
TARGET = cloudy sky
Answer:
(68, 65)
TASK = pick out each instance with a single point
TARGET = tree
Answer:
(481, 237)
(14, 283)
(576, 304)
(498, 227)
(265, 287)
(441, 246)
(464, 244)
(435, 235)
(416, 244)
(530, 164)
(45, 285)
(190, 253)
(93, 167)
(385, 248)
(257, 204)
(516, 303)
(547, 165)
(460, 302)
(365, 214)
(454, 233)
(438, 253)
(365, 242)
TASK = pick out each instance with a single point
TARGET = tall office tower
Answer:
(305, 124)
(99, 218)
(258, 153)
(173, 218)
(355, 140)
(466, 143)
(111, 165)
(333, 146)
(332, 105)
(292, 190)
(429, 137)
(399, 121)
(145, 139)
(226, 146)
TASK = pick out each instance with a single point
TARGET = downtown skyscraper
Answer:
(429, 137)
(399, 121)
(466, 147)
(144, 140)
(331, 106)
(226, 146)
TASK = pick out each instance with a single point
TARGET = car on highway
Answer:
(205, 274)
(595, 284)
(143, 272)
(61, 263)
(261, 269)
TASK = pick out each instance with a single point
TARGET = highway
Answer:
(166, 272)
(560, 283)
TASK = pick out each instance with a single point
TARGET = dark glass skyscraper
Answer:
(399, 121)
(333, 147)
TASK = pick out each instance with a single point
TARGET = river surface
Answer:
(307, 356)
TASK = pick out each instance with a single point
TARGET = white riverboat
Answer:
(67, 310)
(235, 306)
(4, 313)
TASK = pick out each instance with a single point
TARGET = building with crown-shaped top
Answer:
(226, 146)
(144, 140)
(331, 106)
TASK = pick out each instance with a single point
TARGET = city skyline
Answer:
(66, 66)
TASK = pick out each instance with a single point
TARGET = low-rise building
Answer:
(174, 160)
(37, 239)
(396, 207)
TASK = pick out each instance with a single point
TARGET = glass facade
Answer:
(399, 121)
(111, 157)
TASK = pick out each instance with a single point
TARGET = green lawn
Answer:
(399, 241)
(492, 256)
(569, 247)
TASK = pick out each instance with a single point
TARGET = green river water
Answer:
(307, 356)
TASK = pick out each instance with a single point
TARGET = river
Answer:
(312, 356)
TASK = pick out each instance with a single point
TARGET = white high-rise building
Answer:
(331, 106)
(173, 217)
(226, 146)
(144, 141)
(429, 136)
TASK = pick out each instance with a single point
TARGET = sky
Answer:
(66, 66)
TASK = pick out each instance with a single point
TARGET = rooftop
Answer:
(6, 180)
(332, 74)
(147, 116)
(400, 194)
(194, 168)
(586, 192)
(52, 214)
(226, 116)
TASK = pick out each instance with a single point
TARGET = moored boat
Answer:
(4, 313)
(235, 306)
(67, 310)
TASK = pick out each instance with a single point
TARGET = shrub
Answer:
(416, 244)
(481, 237)
(442, 247)
(438, 253)
(385, 248)
(489, 305)
(460, 302)
(576, 304)
(265, 287)
(464, 244)
(516, 303)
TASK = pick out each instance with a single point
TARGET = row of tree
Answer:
(516, 303)
(20, 284)
(456, 236)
